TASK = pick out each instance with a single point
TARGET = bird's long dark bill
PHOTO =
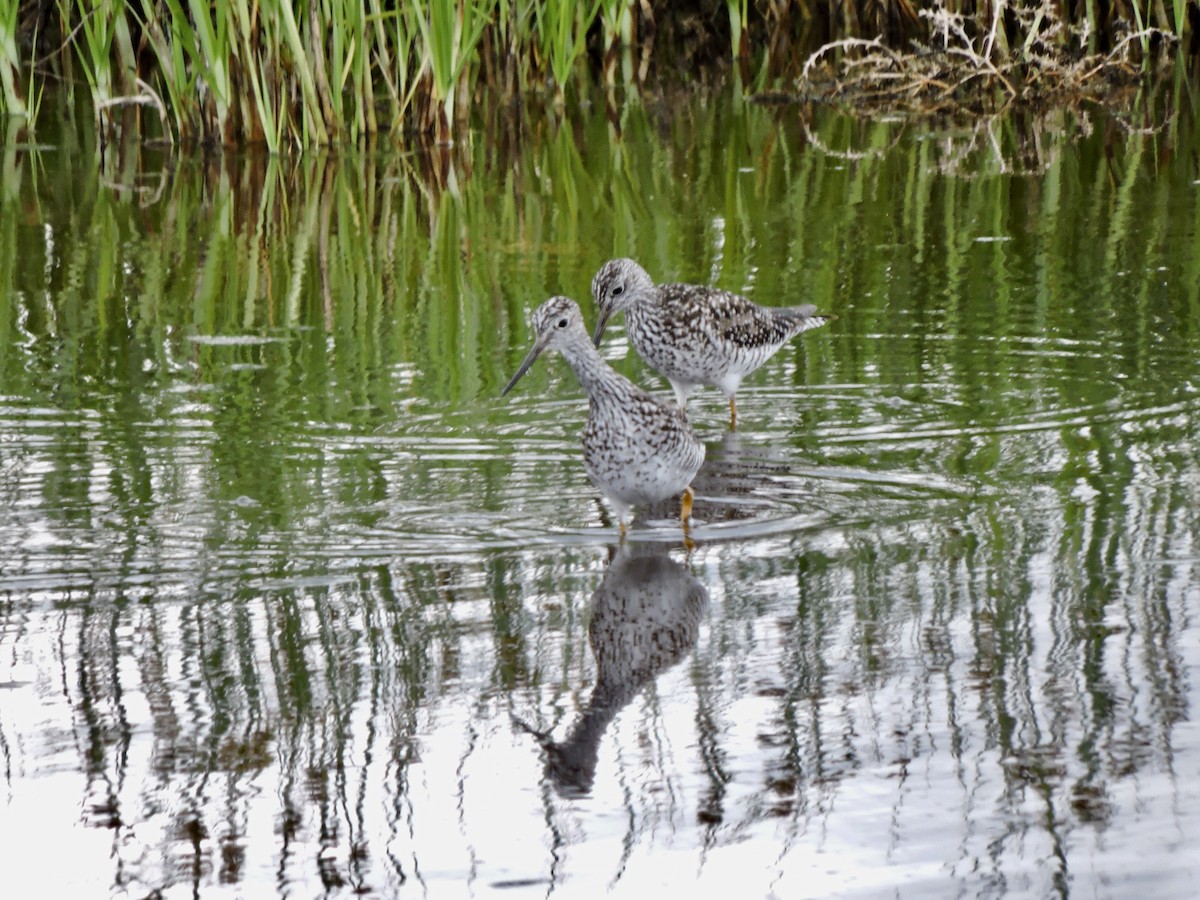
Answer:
(601, 324)
(533, 354)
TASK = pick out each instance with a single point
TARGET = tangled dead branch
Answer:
(1027, 55)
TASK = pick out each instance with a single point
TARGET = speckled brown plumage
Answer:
(636, 449)
(694, 334)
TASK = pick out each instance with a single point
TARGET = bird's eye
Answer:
(562, 323)
(618, 291)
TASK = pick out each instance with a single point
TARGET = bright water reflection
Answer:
(293, 602)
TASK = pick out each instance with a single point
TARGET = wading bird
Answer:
(693, 334)
(636, 449)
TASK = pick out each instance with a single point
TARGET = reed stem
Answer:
(281, 74)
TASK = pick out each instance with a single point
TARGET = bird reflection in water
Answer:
(645, 617)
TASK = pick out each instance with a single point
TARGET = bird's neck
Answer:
(595, 375)
(641, 299)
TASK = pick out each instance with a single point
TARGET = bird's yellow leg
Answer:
(685, 518)
(732, 415)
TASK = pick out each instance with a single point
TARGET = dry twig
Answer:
(957, 69)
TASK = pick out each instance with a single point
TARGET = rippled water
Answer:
(294, 603)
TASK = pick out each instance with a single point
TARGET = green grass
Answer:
(280, 74)
(561, 32)
(450, 32)
(12, 94)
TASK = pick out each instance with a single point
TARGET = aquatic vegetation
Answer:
(232, 72)
(12, 97)
(449, 36)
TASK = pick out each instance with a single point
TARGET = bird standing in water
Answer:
(636, 449)
(693, 334)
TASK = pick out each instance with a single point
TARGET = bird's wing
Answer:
(728, 318)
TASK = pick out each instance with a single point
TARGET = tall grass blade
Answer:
(314, 129)
(562, 32)
(12, 98)
(450, 34)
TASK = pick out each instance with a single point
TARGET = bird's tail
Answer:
(804, 318)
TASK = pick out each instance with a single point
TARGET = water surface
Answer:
(293, 602)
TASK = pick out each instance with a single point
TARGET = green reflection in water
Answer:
(283, 567)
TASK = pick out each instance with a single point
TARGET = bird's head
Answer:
(618, 285)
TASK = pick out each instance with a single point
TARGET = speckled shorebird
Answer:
(636, 449)
(693, 334)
